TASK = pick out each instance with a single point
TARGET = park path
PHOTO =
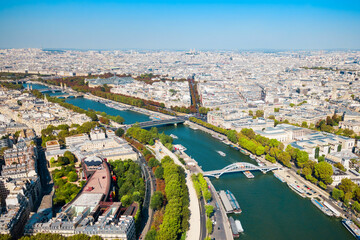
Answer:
(194, 222)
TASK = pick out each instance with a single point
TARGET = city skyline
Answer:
(180, 25)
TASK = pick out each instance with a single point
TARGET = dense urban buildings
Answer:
(298, 105)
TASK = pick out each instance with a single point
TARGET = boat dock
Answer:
(320, 206)
(229, 201)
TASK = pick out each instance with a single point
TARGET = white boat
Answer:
(173, 136)
(193, 128)
(221, 153)
(297, 189)
(239, 226)
(179, 147)
(335, 212)
(252, 156)
(351, 227)
(322, 207)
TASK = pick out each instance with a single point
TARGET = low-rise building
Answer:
(343, 157)
(75, 139)
(90, 213)
(52, 145)
(326, 143)
(351, 125)
(284, 132)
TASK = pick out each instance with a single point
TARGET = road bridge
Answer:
(53, 90)
(156, 123)
(70, 95)
(239, 167)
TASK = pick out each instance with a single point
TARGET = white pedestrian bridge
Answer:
(239, 167)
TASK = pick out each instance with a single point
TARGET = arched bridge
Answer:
(239, 167)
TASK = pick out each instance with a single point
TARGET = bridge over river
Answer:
(156, 123)
(239, 167)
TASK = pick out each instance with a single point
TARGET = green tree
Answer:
(151, 235)
(347, 198)
(78, 237)
(157, 200)
(304, 124)
(92, 115)
(95, 237)
(340, 166)
(323, 171)
(302, 158)
(159, 172)
(356, 206)
(232, 136)
(347, 185)
(72, 176)
(62, 161)
(317, 151)
(153, 162)
(339, 148)
(209, 209)
(284, 158)
(69, 156)
(307, 171)
(259, 113)
(321, 159)
(207, 195)
(5, 237)
(337, 194)
(322, 185)
(209, 226)
(270, 158)
(126, 200)
(259, 150)
(119, 132)
(169, 146)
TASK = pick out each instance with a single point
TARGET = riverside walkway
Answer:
(197, 228)
(239, 167)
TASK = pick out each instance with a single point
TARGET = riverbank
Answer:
(128, 107)
(289, 176)
(163, 112)
(147, 112)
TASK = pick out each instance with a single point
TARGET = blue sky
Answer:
(180, 24)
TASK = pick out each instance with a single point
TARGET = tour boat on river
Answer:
(221, 153)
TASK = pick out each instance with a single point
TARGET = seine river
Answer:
(270, 210)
